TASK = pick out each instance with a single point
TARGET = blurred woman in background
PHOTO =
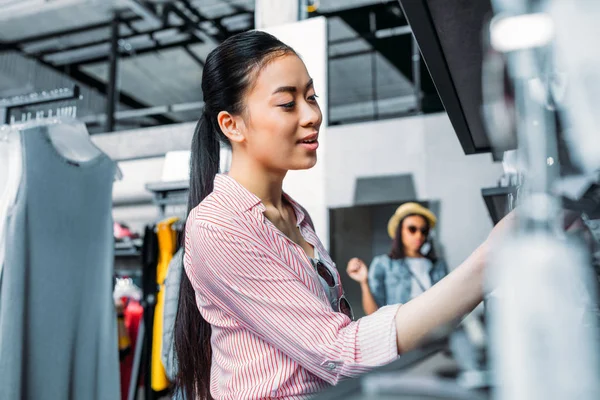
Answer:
(410, 268)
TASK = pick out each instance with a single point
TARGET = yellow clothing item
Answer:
(166, 248)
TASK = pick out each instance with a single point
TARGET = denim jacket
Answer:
(390, 280)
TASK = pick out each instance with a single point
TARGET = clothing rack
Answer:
(143, 347)
(143, 351)
(7, 105)
(164, 194)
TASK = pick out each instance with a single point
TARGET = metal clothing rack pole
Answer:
(137, 362)
(143, 351)
(36, 98)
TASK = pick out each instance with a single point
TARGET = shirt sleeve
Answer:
(377, 281)
(253, 284)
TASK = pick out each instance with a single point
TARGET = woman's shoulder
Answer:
(214, 212)
(381, 257)
(381, 260)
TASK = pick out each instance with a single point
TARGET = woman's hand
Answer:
(357, 270)
(502, 229)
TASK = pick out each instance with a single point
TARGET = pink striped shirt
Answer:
(274, 332)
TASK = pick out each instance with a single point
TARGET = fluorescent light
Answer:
(510, 33)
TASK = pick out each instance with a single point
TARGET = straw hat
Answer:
(407, 209)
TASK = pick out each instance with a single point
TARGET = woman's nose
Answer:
(311, 115)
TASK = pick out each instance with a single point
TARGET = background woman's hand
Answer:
(357, 270)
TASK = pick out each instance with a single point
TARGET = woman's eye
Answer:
(314, 97)
(289, 105)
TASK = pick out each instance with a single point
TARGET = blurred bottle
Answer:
(542, 344)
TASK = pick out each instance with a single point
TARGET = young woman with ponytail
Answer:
(262, 313)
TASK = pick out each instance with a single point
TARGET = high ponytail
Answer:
(227, 75)
(191, 329)
(204, 160)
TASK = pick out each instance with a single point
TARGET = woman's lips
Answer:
(313, 146)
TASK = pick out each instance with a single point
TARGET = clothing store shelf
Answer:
(499, 201)
(168, 193)
(130, 273)
(167, 186)
(128, 248)
(130, 252)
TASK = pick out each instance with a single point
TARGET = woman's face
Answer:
(282, 118)
(414, 233)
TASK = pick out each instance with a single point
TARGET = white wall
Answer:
(427, 148)
(270, 13)
(309, 39)
(132, 203)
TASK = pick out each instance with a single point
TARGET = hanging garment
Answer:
(172, 284)
(166, 243)
(149, 289)
(58, 334)
(10, 178)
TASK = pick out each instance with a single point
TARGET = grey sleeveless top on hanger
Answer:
(58, 335)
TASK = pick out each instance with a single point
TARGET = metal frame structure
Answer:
(418, 12)
(381, 25)
(192, 33)
(384, 27)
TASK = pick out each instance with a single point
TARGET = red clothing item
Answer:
(274, 332)
(133, 316)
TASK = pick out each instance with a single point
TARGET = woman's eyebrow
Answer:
(291, 89)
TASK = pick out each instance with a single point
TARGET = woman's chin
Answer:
(306, 163)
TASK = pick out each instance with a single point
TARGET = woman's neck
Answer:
(266, 185)
(412, 254)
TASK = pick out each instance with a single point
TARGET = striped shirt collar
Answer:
(246, 200)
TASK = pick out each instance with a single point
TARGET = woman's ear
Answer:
(231, 126)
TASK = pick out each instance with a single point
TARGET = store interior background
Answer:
(420, 150)
(385, 140)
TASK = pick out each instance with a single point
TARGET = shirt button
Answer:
(331, 366)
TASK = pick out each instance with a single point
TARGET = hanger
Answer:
(69, 136)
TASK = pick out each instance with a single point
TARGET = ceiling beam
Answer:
(65, 32)
(87, 80)
(194, 56)
(223, 32)
(150, 33)
(102, 87)
(125, 55)
(188, 27)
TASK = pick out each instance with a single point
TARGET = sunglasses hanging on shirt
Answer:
(324, 272)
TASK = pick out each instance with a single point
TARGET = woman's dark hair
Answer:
(397, 252)
(228, 74)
